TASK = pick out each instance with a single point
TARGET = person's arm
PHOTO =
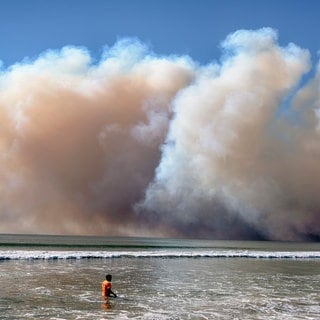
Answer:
(110, 292)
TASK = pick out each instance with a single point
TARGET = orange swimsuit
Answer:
(105, 287)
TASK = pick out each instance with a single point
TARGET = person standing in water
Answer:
(106, 287)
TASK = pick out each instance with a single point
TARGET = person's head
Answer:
(108, 277)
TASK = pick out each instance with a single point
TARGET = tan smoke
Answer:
(138, 144)
(80, 141)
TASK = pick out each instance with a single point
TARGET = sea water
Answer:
(50, 277)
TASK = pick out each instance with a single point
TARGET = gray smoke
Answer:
(241, 159)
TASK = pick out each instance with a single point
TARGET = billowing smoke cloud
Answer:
(138, 144)
(80, 141)
(240, 160)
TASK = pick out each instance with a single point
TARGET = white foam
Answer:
(167, 253)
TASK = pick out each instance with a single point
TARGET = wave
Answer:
(78, 255)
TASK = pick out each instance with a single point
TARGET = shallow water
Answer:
(161, 287)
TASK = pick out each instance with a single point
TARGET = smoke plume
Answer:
(138, 144)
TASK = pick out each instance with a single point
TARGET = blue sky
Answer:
(193, 27)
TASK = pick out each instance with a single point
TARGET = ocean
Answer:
(59, 277)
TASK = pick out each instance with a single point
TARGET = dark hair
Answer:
(108, 277)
